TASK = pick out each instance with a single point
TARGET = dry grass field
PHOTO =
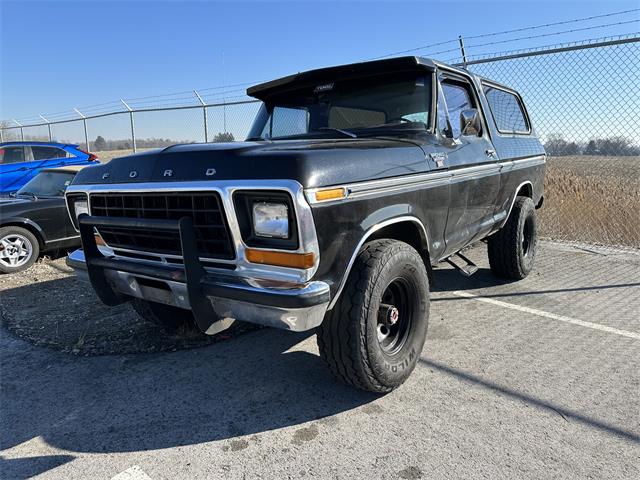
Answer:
(592, 199)
(588, 199)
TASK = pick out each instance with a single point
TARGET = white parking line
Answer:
(552, 316)
(133, 473)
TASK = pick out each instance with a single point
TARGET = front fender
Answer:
(26, 223)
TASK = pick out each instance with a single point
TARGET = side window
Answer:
(458, 98)
(507, 110)
(443, 117)
(287, 121)
(47, 153)
(12, 155)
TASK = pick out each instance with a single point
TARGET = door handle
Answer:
(490, 152)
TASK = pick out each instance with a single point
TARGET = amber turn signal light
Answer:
(281, 259)
(330, 194)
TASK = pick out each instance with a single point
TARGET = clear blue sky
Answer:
(56, 55)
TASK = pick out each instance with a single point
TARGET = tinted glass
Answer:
(12, 155)
(48, 184)
(507, 110)
(46, 153)
(400, 100)
(287, 121)
(458, 99)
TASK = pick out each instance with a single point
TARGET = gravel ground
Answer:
(534, 379)
(30, 310)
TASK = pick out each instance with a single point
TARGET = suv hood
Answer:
(313, 163)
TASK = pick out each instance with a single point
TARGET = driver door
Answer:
(471, 159)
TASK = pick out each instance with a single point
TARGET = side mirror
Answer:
(470, 123)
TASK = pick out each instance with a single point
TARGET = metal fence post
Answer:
(1, 135)
(133, 128)
(48, 126)
(86, 133)
(462, 52)
(21, 130)
(204, 112)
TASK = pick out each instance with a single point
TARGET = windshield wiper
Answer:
(29, 194)
(339, 130)
(399, 125)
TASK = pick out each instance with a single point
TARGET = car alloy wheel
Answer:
(15, 250)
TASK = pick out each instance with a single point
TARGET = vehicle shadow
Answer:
(566, 413)
(29, 467)
(450, 280)
(255, 383)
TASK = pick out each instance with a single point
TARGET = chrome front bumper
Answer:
(215, 298)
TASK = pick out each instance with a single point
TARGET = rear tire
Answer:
(19, 249)
(512, 249)
(171, 319)
(365, 343)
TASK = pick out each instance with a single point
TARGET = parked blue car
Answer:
(21, 161)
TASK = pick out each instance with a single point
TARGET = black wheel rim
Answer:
(527, 236)
(395, 316)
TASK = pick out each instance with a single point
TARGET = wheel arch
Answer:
(525, 189)
(406, 229)
(29, 225)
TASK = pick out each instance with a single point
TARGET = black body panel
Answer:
(46, 217)
(437, 192)
(312, 163)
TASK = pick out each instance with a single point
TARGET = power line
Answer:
(400, 52)
(504, 32)
(564, 22)
(171, 97)
(543, 35)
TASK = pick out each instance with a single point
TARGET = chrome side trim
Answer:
(63, 238)
(226, 188)
(362, 241)
(429, 179)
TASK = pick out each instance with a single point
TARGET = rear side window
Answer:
(12, 155)
(46, 153)
(507, 110)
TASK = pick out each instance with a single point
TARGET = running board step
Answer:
(468, 269)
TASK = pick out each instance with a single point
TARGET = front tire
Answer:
(512, 249)
(19, 249)
(373, 336)
(171, 319)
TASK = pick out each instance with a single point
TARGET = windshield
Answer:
(347, 108)
(47, 184)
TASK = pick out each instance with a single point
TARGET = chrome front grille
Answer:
(204, 208)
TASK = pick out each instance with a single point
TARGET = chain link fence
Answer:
(584, 101)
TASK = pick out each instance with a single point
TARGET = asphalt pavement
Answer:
(533, 379)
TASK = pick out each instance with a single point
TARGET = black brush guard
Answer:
(200, 284)
(192, 273)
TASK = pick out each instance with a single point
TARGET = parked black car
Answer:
(35, 220)
(354, 181)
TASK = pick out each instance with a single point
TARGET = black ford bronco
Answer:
(355, 180)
